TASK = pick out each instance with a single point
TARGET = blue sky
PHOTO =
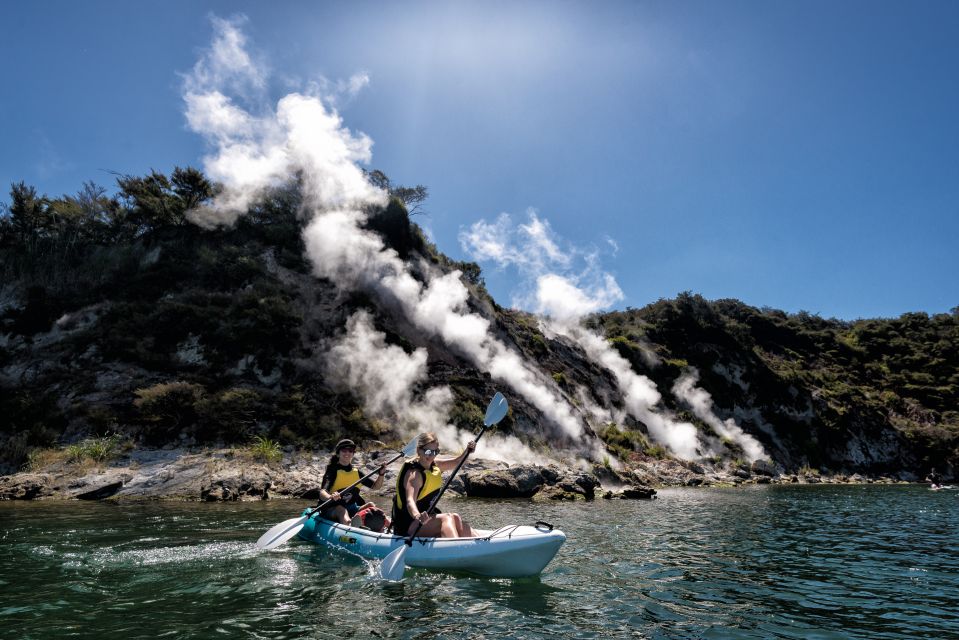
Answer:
(797, 155)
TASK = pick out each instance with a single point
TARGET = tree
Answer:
(412, 197)
(192, 187)
(156, 201)
(30, 216)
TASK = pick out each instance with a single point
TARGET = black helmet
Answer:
(346, 442)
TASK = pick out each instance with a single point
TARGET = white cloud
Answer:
(558, 297)
(226, 64)
(557, 279)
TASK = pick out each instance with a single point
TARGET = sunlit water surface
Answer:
(762, 562)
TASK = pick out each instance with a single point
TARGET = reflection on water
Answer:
(764, 562)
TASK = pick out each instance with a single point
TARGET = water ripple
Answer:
(771, 562)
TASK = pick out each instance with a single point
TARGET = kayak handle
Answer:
(540, 524)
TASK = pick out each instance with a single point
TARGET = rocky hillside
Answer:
(119, 316)
(869, 395)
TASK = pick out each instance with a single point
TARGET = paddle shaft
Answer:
(369, 475)
(419, 523)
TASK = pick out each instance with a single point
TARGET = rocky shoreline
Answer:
(216, 475)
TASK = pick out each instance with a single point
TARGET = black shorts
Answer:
(402, 521)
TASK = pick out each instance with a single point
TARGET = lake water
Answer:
(758, 562)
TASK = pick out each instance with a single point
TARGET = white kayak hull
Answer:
(513, 551)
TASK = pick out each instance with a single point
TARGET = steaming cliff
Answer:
(301, 330)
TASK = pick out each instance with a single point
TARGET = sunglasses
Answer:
(430, 452)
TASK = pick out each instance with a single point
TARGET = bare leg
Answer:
(463, 529)
(449, 526)
(340, 515)
(432, 529)
(441, 526)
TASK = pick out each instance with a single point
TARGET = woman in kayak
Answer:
(417, 483)
(339, 475)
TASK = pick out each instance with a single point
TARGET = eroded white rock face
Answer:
(248, 363)
(862, 451)
(190, 352)
(733, 373)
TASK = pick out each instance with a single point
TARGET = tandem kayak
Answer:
(513, 551)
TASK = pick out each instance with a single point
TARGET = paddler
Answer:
(934, 479)
(419, 480)
(340, 474)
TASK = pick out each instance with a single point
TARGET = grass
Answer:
(99, 450)
(265, 450)
(95, 450)
(39, 459)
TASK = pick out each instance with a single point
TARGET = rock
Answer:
(638, 493)
(694, 467)
(742, 473)
(763, 468)
(458, 484)
(580, 483)
(551, 473)
(643, 477)
(25, 486)
(557, 493)
(100, 493)
(521, 481)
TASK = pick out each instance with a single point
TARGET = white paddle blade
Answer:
(496, 410)
(394, 565)
(410, 449)
(281, 533)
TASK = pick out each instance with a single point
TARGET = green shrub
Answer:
(265, 450)
(98, 450)
(168, 403)
(466, 415)
(231, 413)
(539, 343)
(655, 451)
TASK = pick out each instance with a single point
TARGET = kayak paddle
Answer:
(282, 532)
(394, 565)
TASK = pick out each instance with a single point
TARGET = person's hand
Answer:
(424, 517)
(383, 470)
(335, 496)
(471, 446)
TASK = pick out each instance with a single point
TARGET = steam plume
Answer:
(385, 376)
(565, 297)
(254, 151)
(701, 403)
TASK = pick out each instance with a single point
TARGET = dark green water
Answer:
(764, 562)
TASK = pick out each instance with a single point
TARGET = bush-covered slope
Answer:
(876, 394)
(117, 315)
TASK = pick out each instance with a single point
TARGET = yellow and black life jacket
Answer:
(432, 483)
(338, 478)
(344, 478)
